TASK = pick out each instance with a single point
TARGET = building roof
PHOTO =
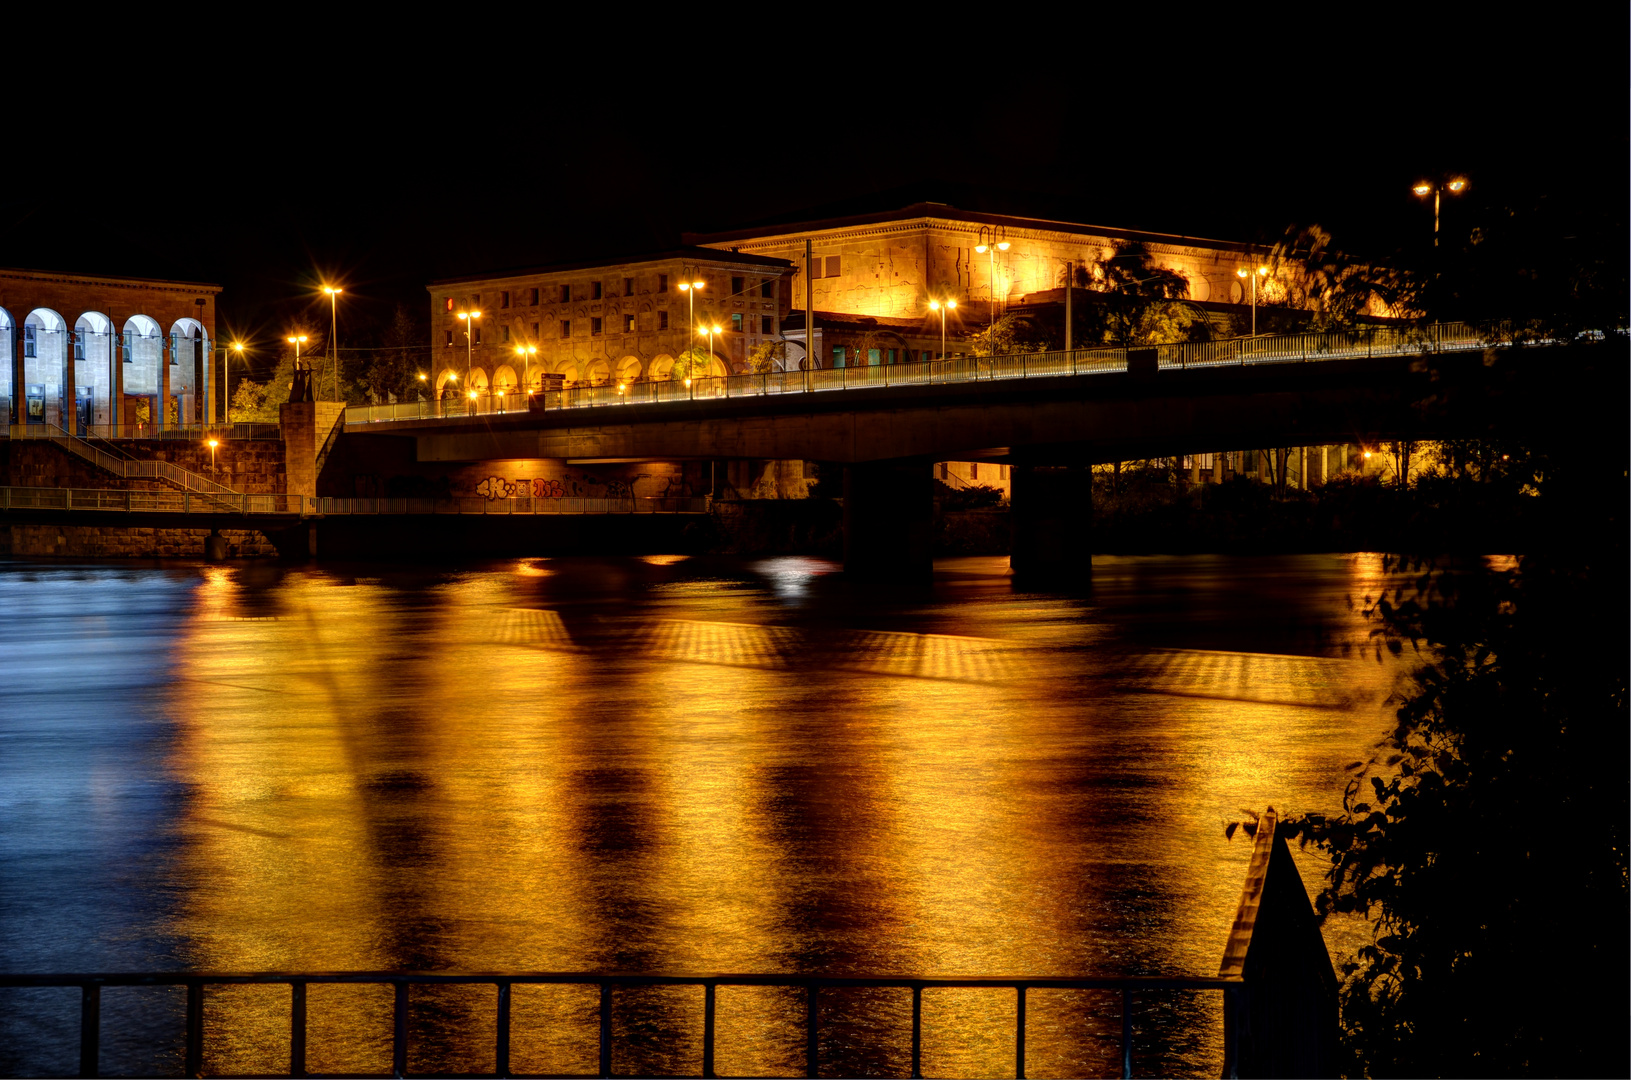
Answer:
(945, 211)
(102, 279)
(840, 320)
(694, 254)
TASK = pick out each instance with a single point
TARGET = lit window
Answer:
(736, 322)
(872, 357)
(628, 324)
(79, 346)
(594, 325)
(124, 348)
(838, 356)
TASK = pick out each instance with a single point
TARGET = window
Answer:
(974, 470)
(834, 268)
(737, 287)
(662, 320)
(838, 356)
(475, 301)
(535, 331)
(944, 469)
(504, 298)
(628, 324)
(566, 328)
(31, 340)
(566, 294)
(894, 356)
(628, 286)
(594, 291)
(79, 346)
(594, 325)
(506, 337)
(767, 289)
(449, 344)
(535, 298)
(662, 282)
(767, 324)
(872, 358)
(815, 266)
(736, 322)
(478, 335)
(450, 303)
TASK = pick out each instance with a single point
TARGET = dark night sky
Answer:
(390, 165)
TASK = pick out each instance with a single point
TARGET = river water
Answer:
(666, 764)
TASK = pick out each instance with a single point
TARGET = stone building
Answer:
(602, 322)
(118, 355)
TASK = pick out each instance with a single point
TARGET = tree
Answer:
(768, 356)
(1341, 289)
(1487, 838)
(1010, 333)
(394, 368)
(1133, 301)
(693, 363)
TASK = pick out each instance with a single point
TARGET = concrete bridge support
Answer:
(1052, 519)
(889, 520)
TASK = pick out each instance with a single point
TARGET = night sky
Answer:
(331, 152)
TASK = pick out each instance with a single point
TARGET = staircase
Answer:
(120, 464)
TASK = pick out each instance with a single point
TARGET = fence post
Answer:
(194, 1065)
(501, 1052)
(708, 1031)
(399, 1032)
(297, 1029)
(90, 1030)
(605, 1029)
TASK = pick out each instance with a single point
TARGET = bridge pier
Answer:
(1052, 515)
(889, 520)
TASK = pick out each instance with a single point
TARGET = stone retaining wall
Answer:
(122, 542)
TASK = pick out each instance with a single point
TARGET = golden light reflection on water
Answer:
(493, 771)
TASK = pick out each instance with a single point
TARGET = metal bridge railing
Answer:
(90, 1023)
(91, 500)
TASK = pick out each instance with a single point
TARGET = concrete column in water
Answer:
(889, 520)
(1052, 519)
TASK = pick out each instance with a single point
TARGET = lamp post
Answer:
(710, 329)
(689, 288)
(526, 353)
(1262, 271)
(992, 239)
(213, 444)
(469, 319)
(936, 305)
(235, 347)
(1455, 185)
(333, 334)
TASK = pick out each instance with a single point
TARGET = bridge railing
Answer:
(1334, 344)
(194, 502)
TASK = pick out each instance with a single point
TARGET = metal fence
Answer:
(109, 457)
(90, 1025)
(91, 500)
(1332, 345)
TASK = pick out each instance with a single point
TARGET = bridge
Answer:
(1047, 415)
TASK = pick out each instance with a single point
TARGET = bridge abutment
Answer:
(1052, 516)
(889, 520)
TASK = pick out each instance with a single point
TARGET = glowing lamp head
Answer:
(330, 290)
(1262, 271)
(422, 376)
(472, 395)
(1002, 245)
(698, 284)
(685, 286)
(214, 444)
(980, 248)
(934, 305)
(1457, 184)
(688, 380)
(1423, 188)
(237, 346)
(1241, 272)
(951, 303)
(1367, 453)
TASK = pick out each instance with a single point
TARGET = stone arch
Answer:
(718, 367)
(141, 356)
(628, 369)
(189, 369)
(94, 360)
(447, 383)
(476, 381)
(45, 353)
(661, 368)
(568, 369)
(598, 372)
(504, 380)
(6, 350)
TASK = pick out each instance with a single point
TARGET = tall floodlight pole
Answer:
(689, 288)
(469, 319)
(992, 239)
(333, 334)
(809, 311)
(942, 307)
(1262, 271)
(1455, 186)
(1070, 274)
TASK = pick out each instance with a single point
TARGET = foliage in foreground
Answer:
(1486, 841)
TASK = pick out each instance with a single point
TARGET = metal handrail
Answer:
(90, 986)
(1262, 349)
(124, 466)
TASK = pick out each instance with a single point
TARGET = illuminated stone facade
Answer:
(601, 322)
(101, 353)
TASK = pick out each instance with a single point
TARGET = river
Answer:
(664, 764)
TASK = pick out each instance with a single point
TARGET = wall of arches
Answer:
(109, 357)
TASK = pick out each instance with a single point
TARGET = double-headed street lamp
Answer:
(689, 288)
(469, 319)
(992, 239)
(526, 353)
(942, 307)
(710, 329)
(1455, 185)
(1262, 271)
(333, 294)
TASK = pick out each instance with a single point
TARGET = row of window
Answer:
(597, 291)
(842, 355)
(31, 344)
(597, 326)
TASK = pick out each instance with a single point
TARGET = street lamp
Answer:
(1455, 185)
(469, 318)
(333, 334)
(710, 329)
(526, 353)
(936, 305)
(1262, 271)
(689, 288)
(213, 444)
(235, 347)
(992, 239)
